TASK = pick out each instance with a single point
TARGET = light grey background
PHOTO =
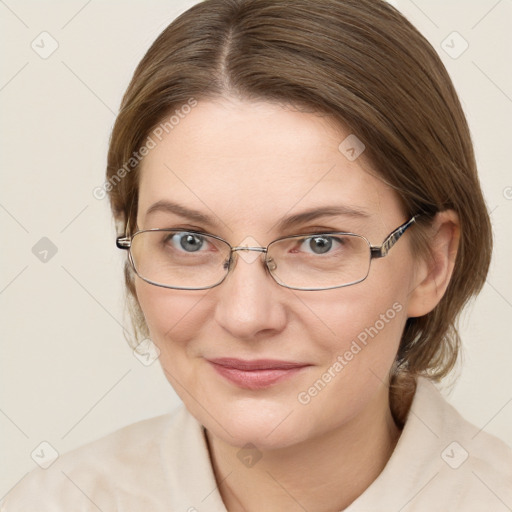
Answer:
(67, 375)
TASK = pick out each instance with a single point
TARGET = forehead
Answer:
(255, 162)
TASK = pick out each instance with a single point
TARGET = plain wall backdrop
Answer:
(67, 374)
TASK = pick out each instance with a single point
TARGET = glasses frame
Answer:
(376, 251)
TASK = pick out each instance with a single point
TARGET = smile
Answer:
(257, 374)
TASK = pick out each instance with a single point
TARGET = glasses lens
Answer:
(179, 259)
(320, 261)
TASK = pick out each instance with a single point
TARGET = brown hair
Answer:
(362, 63)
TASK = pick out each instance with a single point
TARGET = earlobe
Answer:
(435, 270)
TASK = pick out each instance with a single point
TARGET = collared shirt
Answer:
(440, 463)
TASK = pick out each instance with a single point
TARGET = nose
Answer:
(250, 304)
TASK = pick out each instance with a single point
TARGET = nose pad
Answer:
(271, 264)
(229, 263)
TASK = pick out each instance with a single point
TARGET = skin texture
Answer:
(248, 165)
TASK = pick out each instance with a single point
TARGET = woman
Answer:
(295, 186)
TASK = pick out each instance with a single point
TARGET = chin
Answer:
(265, 424)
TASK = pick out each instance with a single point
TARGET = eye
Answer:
(188, 242)
(320, 244)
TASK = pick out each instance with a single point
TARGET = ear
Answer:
(434, 269)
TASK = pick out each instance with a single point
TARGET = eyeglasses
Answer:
(191, 260)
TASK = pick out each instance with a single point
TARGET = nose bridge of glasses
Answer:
(242, 248)
(247, 253)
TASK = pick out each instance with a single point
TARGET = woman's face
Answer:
(246, 167)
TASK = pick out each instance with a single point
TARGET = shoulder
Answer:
(482, 448)
(463, 466)
(125, 467)
(441, 462)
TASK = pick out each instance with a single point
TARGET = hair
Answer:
(368, 68)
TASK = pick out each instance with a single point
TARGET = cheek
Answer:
(358, 331)
(360, 312)
(171, 315)
(365, 332)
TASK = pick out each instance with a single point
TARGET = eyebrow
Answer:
(325, 211)
(285, 223)
(182, 211)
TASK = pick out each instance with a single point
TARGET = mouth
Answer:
(256, 374)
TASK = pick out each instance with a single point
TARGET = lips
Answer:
(256, 374)
(257, 364)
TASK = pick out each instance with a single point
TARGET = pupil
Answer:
(320, 245)
(191, 243)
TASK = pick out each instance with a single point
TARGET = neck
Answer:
(322, 474)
